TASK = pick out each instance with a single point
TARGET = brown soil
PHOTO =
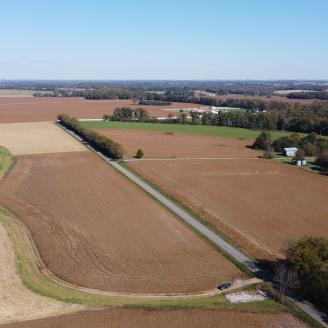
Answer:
(261, 204)
(16, 301)
(37, 138)
(164, 319)
(14, 110)
(95, 229)
(266, 99)
(160, 145)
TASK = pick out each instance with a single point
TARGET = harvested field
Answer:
(15, 110)
(163, 319)
(260, 204)
(17, 302)
(162, 145)
(36, 138)
(95, 229)
(266, 99)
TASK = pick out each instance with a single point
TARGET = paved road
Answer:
(221, 243)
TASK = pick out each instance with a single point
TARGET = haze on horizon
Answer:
(140, 40)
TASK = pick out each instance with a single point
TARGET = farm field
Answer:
(95, 229)
(20, 109)
(266, 99)
(164, 318)
(36, 138)
(16, 93)
(207, 130)
(260, 204)
(162, 145)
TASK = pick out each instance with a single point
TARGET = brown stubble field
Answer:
(161, 145)
(19, 109)
(129, 318)
(266, 99)
(260, 204)
(95, 229)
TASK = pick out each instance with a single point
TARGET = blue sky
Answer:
(235, 39)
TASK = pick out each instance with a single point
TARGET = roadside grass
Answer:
(208, 130)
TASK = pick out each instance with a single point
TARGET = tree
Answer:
(322, 160)
(263, 141)
(300, 154)
(286, 279)
(139, 153)
(309, 259)
(183, 118)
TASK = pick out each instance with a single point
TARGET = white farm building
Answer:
(290, 152)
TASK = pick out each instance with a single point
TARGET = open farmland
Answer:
(163, 145)
(36, 138)
(206, 130)
(260, 204)
(95, 229)
(165, 318)
(15, 110)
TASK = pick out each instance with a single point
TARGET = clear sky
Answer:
(166, 39)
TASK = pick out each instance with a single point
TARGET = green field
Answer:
(216, 131)
(18, 93)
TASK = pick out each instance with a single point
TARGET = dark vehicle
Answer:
(225, 285)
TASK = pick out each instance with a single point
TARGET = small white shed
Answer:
(290, 152)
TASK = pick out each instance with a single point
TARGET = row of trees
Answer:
(101, 143)
(319, 95)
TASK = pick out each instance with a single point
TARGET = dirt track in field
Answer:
(164, 319)
(36, 138)
(95, 229)
(261, 204)
(160, 145)
(16, 301)
(15, 110)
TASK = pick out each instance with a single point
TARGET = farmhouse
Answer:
(290, 152)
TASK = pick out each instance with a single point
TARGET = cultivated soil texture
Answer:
(261, 204)
(96, 229)
(19, 109)
(162, 145)
(37, 138)
(164, 319)
(18, 303)
(266, 99)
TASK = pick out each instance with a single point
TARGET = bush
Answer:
(263, 141)
(322, 160)
(139, 153)
(299, 154)
(268, 154)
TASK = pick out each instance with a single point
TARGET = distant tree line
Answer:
(154, 102)
(101, 143)
(309, 95)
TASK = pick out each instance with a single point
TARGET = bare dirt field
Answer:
(261, 204)
(266, 99)
(95, 229)
(161, 145)
(16, 301)
(36, 138)
(164, 319)
(15, 110)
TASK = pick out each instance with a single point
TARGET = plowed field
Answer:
(37, 138)
(161, 145)
(96, 229)
(261, 204)
(164, 319)
(13, 110)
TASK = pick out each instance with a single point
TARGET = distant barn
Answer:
(290, 152)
